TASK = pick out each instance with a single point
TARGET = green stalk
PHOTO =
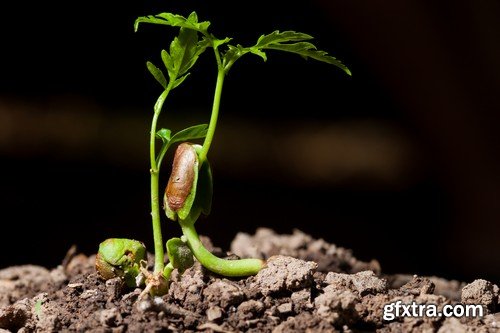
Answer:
(155, 204)
(215, 114)
(231, 268)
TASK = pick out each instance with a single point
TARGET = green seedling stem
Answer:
(221, 74)
(155, 172)
(231, 268)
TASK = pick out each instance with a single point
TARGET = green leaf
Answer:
(167, 61)
(182, 49)
(308, 50)
(190, 133)
(187, 134)
(179, 254)
(201, 46)
(232, 54)
(277, 37)
(287, 41)
(218, 42)
(164, 134)
(205, 189)
(179, 81)
(175, 20)
(259, 53)
(157, 74)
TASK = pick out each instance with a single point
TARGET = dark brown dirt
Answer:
(307, 286)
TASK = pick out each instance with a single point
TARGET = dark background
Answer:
(398, 162)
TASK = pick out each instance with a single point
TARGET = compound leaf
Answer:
(287, 41)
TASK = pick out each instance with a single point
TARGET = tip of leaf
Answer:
(348, 71)
(193, 17)
(136, 24)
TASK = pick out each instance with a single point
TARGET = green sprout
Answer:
(189, 189)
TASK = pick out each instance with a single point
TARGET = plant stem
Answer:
(232, 268)
(155, 204)
(213, 118)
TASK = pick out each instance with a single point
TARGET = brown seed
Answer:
(182, 176)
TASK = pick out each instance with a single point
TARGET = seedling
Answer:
(189, 190)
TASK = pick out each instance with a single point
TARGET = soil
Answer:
(308, 285)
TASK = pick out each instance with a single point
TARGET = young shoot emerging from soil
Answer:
(189, 190)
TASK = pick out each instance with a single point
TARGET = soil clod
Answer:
(481, 292)
(284, 273)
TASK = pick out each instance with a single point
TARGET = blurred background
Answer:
(399, 162)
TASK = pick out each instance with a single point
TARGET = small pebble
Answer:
(285, 308)
(214, 313)
(75, 285)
